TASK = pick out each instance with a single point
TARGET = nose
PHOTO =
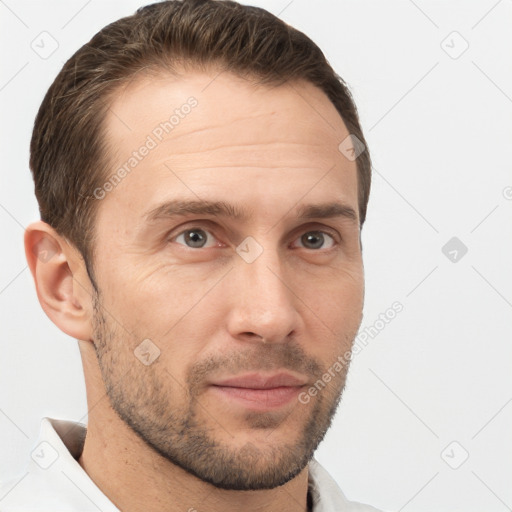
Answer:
(263, 305)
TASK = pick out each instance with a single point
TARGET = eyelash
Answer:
(195, 227)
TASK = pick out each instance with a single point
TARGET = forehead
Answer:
(216, 90)
(216, 131)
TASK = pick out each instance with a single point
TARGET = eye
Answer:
(194, 238)
(316, 239)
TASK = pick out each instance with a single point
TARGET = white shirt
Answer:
(54, 481)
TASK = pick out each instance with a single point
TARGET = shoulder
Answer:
(52, 479)
(327, 495)
(34, 491)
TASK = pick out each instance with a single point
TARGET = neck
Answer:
(136, 478)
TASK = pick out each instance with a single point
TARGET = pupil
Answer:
(311, 238)
(195, 238)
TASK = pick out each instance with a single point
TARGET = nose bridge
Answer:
(263, 304)
(265, 278)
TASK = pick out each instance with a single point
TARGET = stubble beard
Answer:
(142, 397)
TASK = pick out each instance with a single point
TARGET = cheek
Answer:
(175, 318)
(338, 300)
(338, 312)
(152, 299)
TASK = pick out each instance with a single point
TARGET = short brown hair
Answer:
(68, 149)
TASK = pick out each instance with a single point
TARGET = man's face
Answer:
(269, 293)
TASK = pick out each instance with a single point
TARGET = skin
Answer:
(159, 436)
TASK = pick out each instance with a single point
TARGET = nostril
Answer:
(252, 335)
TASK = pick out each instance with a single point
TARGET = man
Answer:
(202, 180)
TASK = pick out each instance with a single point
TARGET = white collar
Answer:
(56, 481)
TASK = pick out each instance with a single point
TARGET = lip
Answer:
(259, 392)
(262, 381)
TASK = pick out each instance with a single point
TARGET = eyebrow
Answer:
(181, 208)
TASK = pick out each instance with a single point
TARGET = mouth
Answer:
(258, 391)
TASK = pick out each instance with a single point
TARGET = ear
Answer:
(62, 284)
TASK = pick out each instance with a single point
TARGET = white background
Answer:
(439, 130)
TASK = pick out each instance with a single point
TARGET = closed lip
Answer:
(262, 381)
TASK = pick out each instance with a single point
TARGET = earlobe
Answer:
(62, 284)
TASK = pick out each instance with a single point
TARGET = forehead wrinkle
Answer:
(121, 105)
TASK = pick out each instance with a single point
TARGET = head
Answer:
(202, 211)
